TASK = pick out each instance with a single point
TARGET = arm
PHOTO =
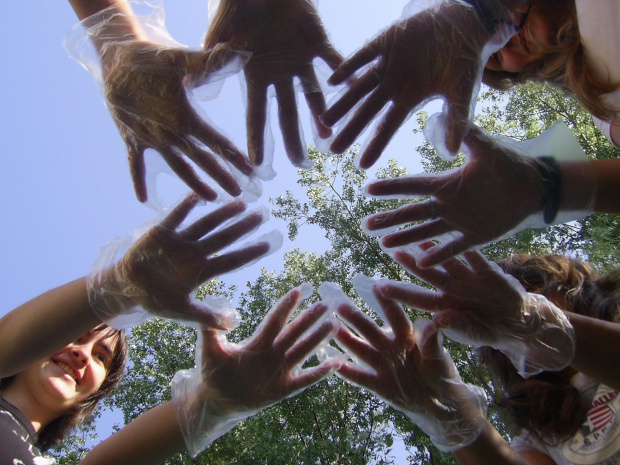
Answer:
(151, 438)
(598, 349)
(600, 193)
(158, 275)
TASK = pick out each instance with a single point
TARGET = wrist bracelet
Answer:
(552, 180)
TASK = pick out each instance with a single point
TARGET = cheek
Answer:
(96, 376)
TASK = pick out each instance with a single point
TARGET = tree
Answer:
(334, 422)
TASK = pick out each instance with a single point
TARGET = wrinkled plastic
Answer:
(407, 366)
(232, 382)
(155, 270)
(498, 192)
(437, 49)
(148, 79)
(476, 303)
(287, 41)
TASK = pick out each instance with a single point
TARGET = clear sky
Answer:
(64, 181)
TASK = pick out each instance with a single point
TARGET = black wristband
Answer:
(552, 178)
(490, 20)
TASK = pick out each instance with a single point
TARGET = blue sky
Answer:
(64, 181)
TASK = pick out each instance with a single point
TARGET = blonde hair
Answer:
(564, 63)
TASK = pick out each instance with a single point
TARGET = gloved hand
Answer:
(406, 366)
(232, 382)
(477, 304)
(429, 53)
(146, 76)
(284, 37)
(500, 190)
(163, 266)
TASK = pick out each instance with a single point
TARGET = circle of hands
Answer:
(404, 364)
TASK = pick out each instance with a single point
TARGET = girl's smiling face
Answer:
(524, 47)
(73, 373)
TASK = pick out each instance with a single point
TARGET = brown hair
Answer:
(547, 405)
(564, 63)
(59, 428)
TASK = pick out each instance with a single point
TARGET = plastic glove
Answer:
(429, 53)
(499, 191)
(284, 36)
(476, 303)
(406, 366)
(163, 267)
(232, 382)
(146, 79)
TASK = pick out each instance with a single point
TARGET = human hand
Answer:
(284, 37)
(407, 366)
(232, 382)
(438, 52)
(477, 304)
(165, 265)
(145, 86)
(494, 194)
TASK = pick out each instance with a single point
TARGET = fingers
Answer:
(418, 233)
(232, 260)
(316, 104)
(137, 170)
(357, 346)
(360, 120)
(289, 122)
(205, 316)
(365, 326)
(392, 121)
(256, 120)
(302, 349)
(355, 93)
(478, 263)
(312, 376)
(407, 185)
(277, 317)
(180, 212)
(443, 252)
(220, 145)
(210, 165)
(457, 121)
(352, 64)
(229, 235)
(396, 317)
(331, 56)
(433, 276)
(358, 377)
(402, 215)
(212, 220)
(187, 174)
(299, 325)
(419, 298)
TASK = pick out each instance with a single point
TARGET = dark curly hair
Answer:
(59, 428)
(547, 405)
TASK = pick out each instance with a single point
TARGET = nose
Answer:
(79, 353)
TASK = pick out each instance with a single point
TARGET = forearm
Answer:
(591, 185)
(490, 448)
(597, 349)
(44, 325)
(124, 25)
(149, 439)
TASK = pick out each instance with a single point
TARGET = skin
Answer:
(50, 387)
(522, 49)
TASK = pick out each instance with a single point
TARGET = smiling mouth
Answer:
(68, 370)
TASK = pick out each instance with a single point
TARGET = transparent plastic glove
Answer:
(430, 52)
(164, 265)
(232, 382)
(476, 303)
(499, 191)
(146, 77)
(284, 36)
(406, 366)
